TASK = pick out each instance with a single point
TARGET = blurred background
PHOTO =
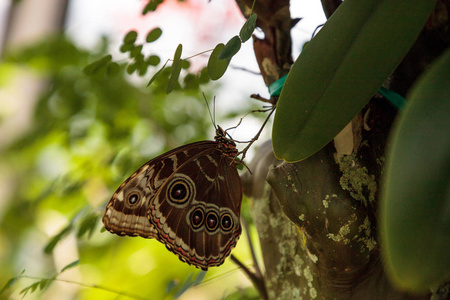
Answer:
(68, 139)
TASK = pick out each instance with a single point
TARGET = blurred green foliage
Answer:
(88, 133)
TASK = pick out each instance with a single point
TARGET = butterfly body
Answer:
(188, 198)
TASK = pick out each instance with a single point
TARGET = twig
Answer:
(256, 137)
(257, 282)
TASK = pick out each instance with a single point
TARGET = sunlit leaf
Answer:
(217, 66)
(248, 28)
(231, 48)
(153, 35)
(176, 69)
(341, 69)
(415, 216)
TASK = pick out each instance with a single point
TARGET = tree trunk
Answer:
(317, 219)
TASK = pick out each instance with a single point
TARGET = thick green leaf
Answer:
(341, 69)
(176, 69)
(231, 48)
(415, 210)
(153, 35)
(217, 66)
(248, 28)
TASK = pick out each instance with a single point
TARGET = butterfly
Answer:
(189, 199)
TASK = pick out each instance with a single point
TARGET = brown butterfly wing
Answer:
(127, 211)
(196, 211)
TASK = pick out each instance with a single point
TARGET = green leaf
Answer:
(151, 6)
(142, 69)
(8, 284)
(153, 35)
(44, 283)
(31, 288)
(156, 75)
(185, 64)
(176, 69)
(415, 214)
(199, 278)
(70, 266)
(231, 48)
(248, 28)
(96, 66)
(183, 287)
(153, 60)
(51, 245)
(131, 68)
(88, 225)
(112, 69)
(130, 37)
(204, 76)
(217, 66)
(126, 47)
(11, 281)
(341, 69)
(191, 82)
(191, 280)
(136, 51)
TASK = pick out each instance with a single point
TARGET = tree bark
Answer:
(317, 219)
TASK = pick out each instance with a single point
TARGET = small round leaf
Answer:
(217, 66)
(153, 35)
(231, 48)
(130, 37)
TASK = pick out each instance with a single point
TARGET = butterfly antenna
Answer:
(213, 118)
